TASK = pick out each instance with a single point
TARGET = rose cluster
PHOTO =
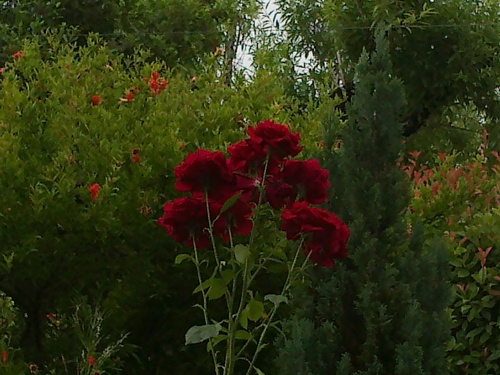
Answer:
(260, 169)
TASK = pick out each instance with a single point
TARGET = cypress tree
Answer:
(383, 309)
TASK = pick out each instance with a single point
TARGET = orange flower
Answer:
(90, 360)
(135, 156)
(96, 99)
(94, 191)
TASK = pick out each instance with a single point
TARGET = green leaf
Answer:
(229, 203)
(182, 257)
(243, 335)
(463, 273)
(258, 371)
(217, 289)
(227, 275)
(204, 285)
(213, 343)
(198, 334)
(255, 310)
(244, 319)
(241, 253)
(276, 299)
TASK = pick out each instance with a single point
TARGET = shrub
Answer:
(460, 202)
(88, 143)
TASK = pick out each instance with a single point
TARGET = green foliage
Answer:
(55, 144)
(460, 202)
(382, 310)
(445, 52)
(178, 32)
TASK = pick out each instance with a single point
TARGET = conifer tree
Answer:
(382, 310)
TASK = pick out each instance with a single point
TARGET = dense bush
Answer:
(460, 202)
(88, 146)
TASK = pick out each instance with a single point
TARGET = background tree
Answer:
(177, 32)
(381, 311)
(445, 52)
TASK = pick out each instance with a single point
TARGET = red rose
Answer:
(94, 191)
(203, 171)
(305, 180)
(96, 99)
(276, 139)
(186, 218)
(325, 235)
(309, 180)
(278, 192)
(237, 218)
(248, 156)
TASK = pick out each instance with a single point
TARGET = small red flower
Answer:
(94, 191)
(33, 368)
(156, 84)
(5, 356)
(129, 96)
(96, 99)
(136, 158)
(325, 235)
(18, 55)
(90, 361)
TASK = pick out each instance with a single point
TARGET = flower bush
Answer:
(459, 201)
(226, 210)
(80, 173)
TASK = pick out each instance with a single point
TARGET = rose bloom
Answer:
(309, 180)
(185, 219)
(276, 139)
(203, 171)
(325, 235)
(278, 192)
(248, 156)
(96, 99)
(94, 191)
(304, 180)
(236, 218)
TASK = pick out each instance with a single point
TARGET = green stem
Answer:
(205, 311)
(231, 329)
(286, 286)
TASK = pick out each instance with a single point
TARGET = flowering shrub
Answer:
(80, 173)
(460, 203)
(226, 210)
